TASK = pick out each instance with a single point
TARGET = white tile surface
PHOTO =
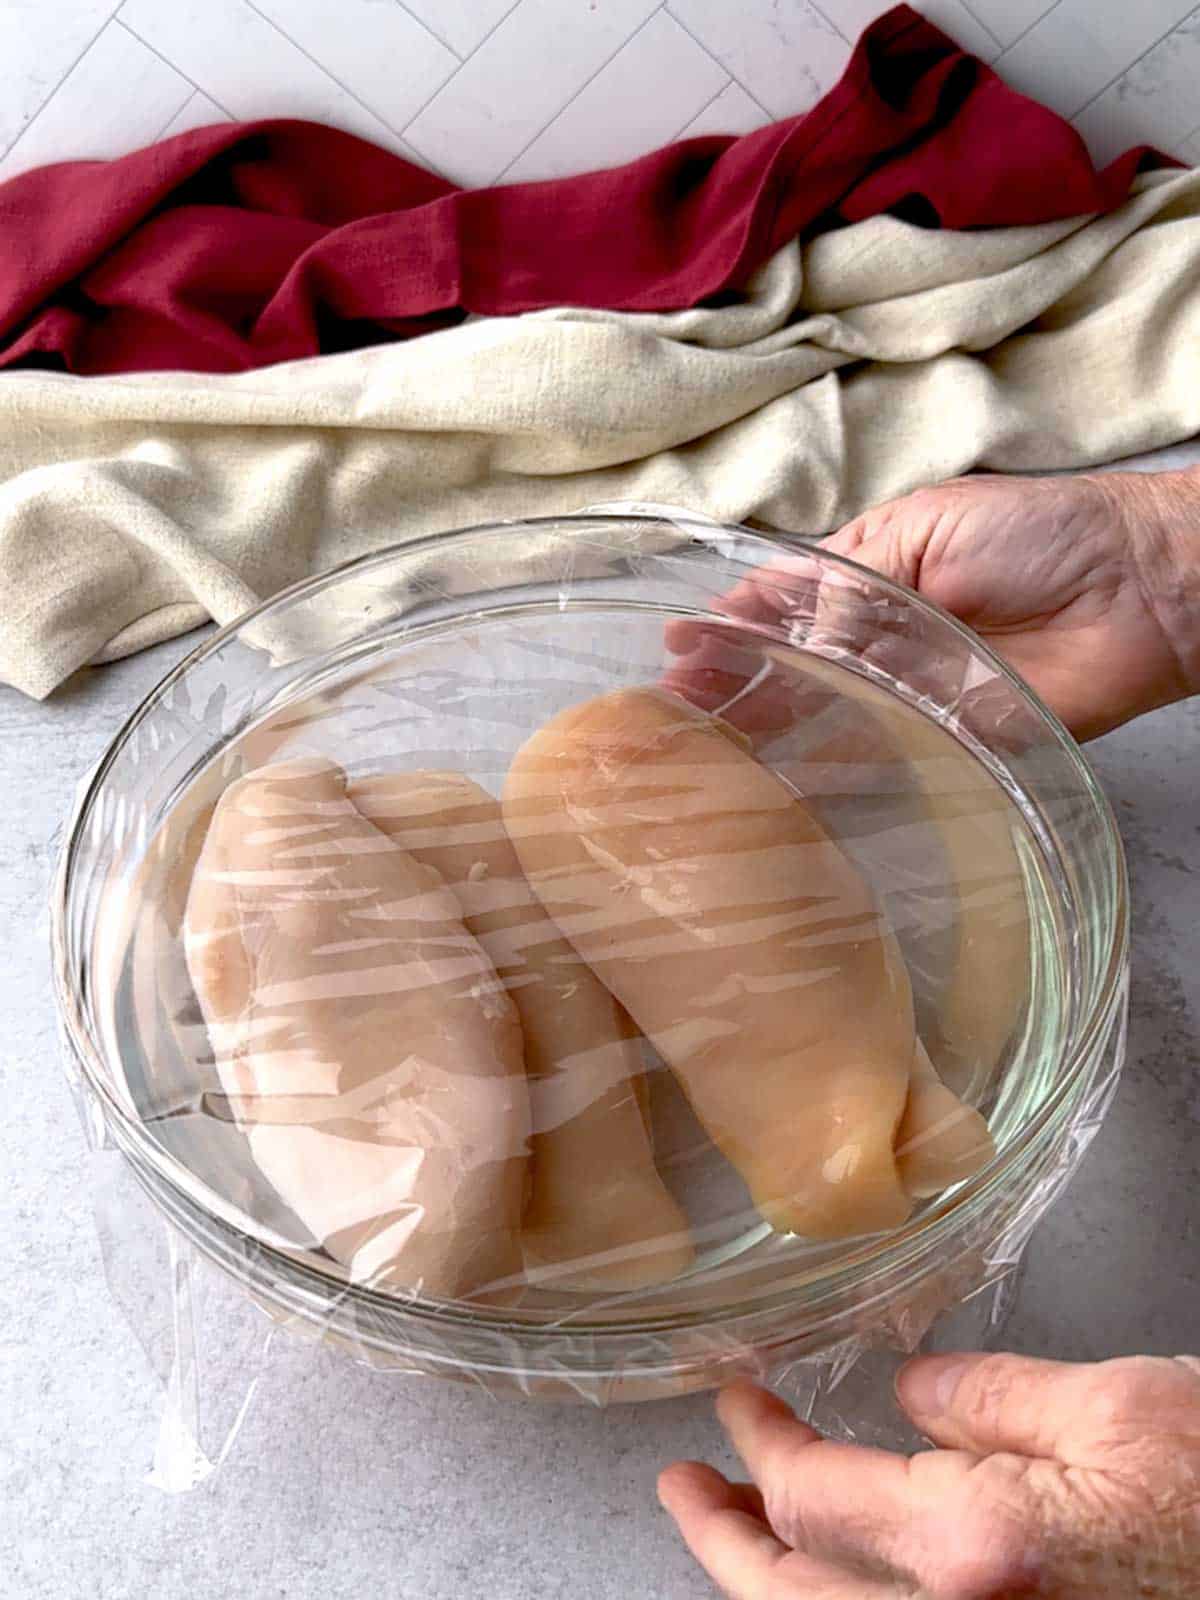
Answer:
(733, 111)
(313, 1505)
(197, 112)
(654, 86)
(1007, 20)
(462, 24)
(545, 86)
(962, 23)
(39, 44)
(850, 17)
(520, 78)
(1189, 150)
(233, 53)
(1152, 101)
(378, 52)
(77, 117)
(1080, 47)
(785, 53)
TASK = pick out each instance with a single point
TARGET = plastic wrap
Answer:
(585, 959)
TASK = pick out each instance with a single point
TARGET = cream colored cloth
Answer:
(878, 358)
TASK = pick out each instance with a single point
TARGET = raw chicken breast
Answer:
(600, 1216)
(366, 1046)
(738, 937)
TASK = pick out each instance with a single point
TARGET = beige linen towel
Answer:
(875, 359)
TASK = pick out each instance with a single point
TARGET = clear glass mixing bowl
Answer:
(449, 652)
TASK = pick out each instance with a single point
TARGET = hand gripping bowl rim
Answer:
(884, 1253)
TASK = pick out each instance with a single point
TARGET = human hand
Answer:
(1051, 1480)
(1089, 586)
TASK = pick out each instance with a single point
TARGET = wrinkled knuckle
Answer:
(990, 1550)
(852, 534)
(981, 1399)
(781, 1504)
(991, 1560)
(1120, 1391)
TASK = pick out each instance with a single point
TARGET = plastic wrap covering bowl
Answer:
(994, 874)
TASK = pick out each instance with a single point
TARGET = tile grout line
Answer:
(1025, 31)
(22, 131)
(324, 70)
(711, 101)
(591, 78)
(421, 23)
(966, 7)
(733, 77)
(425, 104)
(177, 112)
(1128, 67)
(133, 34)
(825, 18)
(1186, 138)
(114, 17)
(493, 29)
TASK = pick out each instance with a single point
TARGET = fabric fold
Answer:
(241, 245)
(131, 506)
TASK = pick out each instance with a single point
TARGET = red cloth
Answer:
(242, 244)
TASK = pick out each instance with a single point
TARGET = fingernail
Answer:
(926, 1386)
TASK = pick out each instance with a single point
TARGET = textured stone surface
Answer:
(345, 1482)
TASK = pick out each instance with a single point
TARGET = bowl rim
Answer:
(880, 1252)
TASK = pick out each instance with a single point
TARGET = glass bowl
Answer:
(994, 854)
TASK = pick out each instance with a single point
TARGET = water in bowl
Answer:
(963, 875)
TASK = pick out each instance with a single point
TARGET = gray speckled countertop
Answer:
(345, 1482)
